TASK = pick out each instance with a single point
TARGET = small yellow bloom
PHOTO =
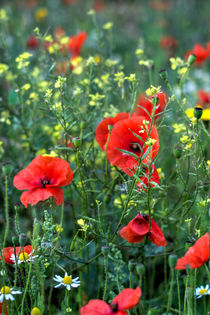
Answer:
(139, 52)
(108, 26)
(35, 311)
(3, 16)
(184, 139)
(26, 87)
(41, 14)
(59, 228)
(160, 173)
(179, 128)
(153, 90)
(150, 142)
(3, 68)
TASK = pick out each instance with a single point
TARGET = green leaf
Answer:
(13, 98)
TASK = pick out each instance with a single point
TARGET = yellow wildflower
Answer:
(179, 128)
(108, 26)
(41, 14)
(153, 90)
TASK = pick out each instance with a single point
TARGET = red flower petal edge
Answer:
(123, 137)
(138, 228)
(42, 179)
(125, 300)
(196, 255)
(144, 105)
(7, 252)
(102, 130)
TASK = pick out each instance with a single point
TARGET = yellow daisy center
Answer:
(5, 290)
(23, 256)
(67, 280)
(202, 291)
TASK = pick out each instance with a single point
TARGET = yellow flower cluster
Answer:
(22, 60)
(179, 128)
(95, 99)
(153, 90)
(187, 141)
(3, 68)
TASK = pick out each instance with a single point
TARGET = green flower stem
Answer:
(106, 276)
(178, 291)
(85, 204)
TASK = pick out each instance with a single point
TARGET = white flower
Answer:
(6, 293)
(199, 292)
(23, 257)
(67, 281)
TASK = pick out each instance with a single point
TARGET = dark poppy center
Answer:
(135, 147)
(114, 307)
(44, 181)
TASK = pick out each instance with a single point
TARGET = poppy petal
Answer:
(127, 298)
(156, 234)
(96, 307)
(196, 255)
(35, 195)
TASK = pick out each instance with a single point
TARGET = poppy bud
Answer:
(6, 169)
(177, 152)
(198, 111)
(164, 75)
(16, 206)
(105, 250)
(172, 260)
(76, 142)
(140, 269)
(83, 124)
(131, 265)
(191, 60)
(15, 240)
(22, 239)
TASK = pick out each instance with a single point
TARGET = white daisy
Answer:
(7, 294)
(23, 257)
(67, 281)
(199, 292)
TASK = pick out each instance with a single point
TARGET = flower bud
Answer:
(16, 206)
(76, 142)
(6, 169)
(131, 265)
(164, 75)
(140, 269)
(191, 60)
(172, 260)
(83, 125)
(198, 111)
(35, 311)
(105, 250)
(177, 152)
(22, 239)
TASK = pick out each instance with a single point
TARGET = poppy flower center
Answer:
(202, 291)
(135, 147)
(67, 280)
(44, 181)
(114, 307)
(23, 256)
(5, 290)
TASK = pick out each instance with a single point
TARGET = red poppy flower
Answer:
(200, 52)
(204, 98)
(125, 300)
(144, 105)
(76, 42)
(196, 255)
(138, 228)
(42, 179)
(102, 130)
(123, 137)
(98, 5)
(154, 178)
(168, 43)
(32, 42)
(9, 254)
